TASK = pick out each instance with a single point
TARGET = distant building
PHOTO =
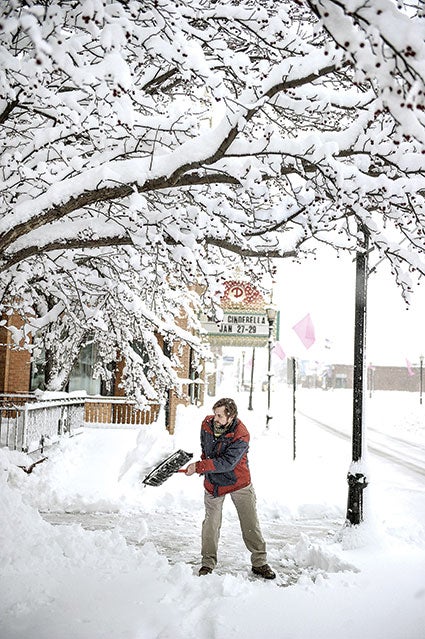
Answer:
(389, 378)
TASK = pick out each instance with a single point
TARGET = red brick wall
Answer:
(395, 378)
(15, 371)
(15, 365)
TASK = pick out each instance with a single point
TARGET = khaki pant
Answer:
(245, 503)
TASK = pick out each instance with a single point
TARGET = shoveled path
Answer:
(177, 537)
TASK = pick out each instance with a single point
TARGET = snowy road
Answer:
(409, 455)
(395, 459)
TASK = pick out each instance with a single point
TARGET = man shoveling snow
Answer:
(224, 464)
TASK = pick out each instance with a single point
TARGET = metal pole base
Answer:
(356, 485)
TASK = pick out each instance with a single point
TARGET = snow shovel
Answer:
(168, 467)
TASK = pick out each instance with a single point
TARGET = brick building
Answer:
(388, 378)
(15, 365)
(19, 377)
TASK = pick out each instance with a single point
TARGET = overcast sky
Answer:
(325, 288)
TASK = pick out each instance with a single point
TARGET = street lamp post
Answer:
(251, 386)
(357, 481)
(294, 406)
(271, 317)
(421, 377)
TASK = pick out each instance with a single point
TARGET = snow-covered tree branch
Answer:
(147, 146)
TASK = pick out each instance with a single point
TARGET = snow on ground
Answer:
(109, 558)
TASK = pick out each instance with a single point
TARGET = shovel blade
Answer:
(166, 468)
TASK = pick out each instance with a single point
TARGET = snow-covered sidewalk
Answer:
(125, 564)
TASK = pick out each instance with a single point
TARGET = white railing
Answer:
(46, 421)
(12, 419)
(29, 424)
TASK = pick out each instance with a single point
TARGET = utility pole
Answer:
(356, 479)
(271, 317)
(294, 408)
(251, 387)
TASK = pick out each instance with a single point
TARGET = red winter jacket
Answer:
(224, 460)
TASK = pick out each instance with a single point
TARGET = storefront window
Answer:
(37, 374)
(81, 377)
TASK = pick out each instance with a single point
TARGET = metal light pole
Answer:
(271, 316)
(356, 480)
(294, 408)
(421, 377)
(251, 387)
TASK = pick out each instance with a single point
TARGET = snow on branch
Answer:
(147, 148)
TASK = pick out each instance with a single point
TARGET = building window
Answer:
(81, 377)
(194, 370)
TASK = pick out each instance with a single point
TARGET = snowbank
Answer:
(67, 582)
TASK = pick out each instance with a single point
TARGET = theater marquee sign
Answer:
(248, 324)
(244, 321)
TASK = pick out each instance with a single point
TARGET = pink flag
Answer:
(305, 331)
(278, 350)
(410, 370)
